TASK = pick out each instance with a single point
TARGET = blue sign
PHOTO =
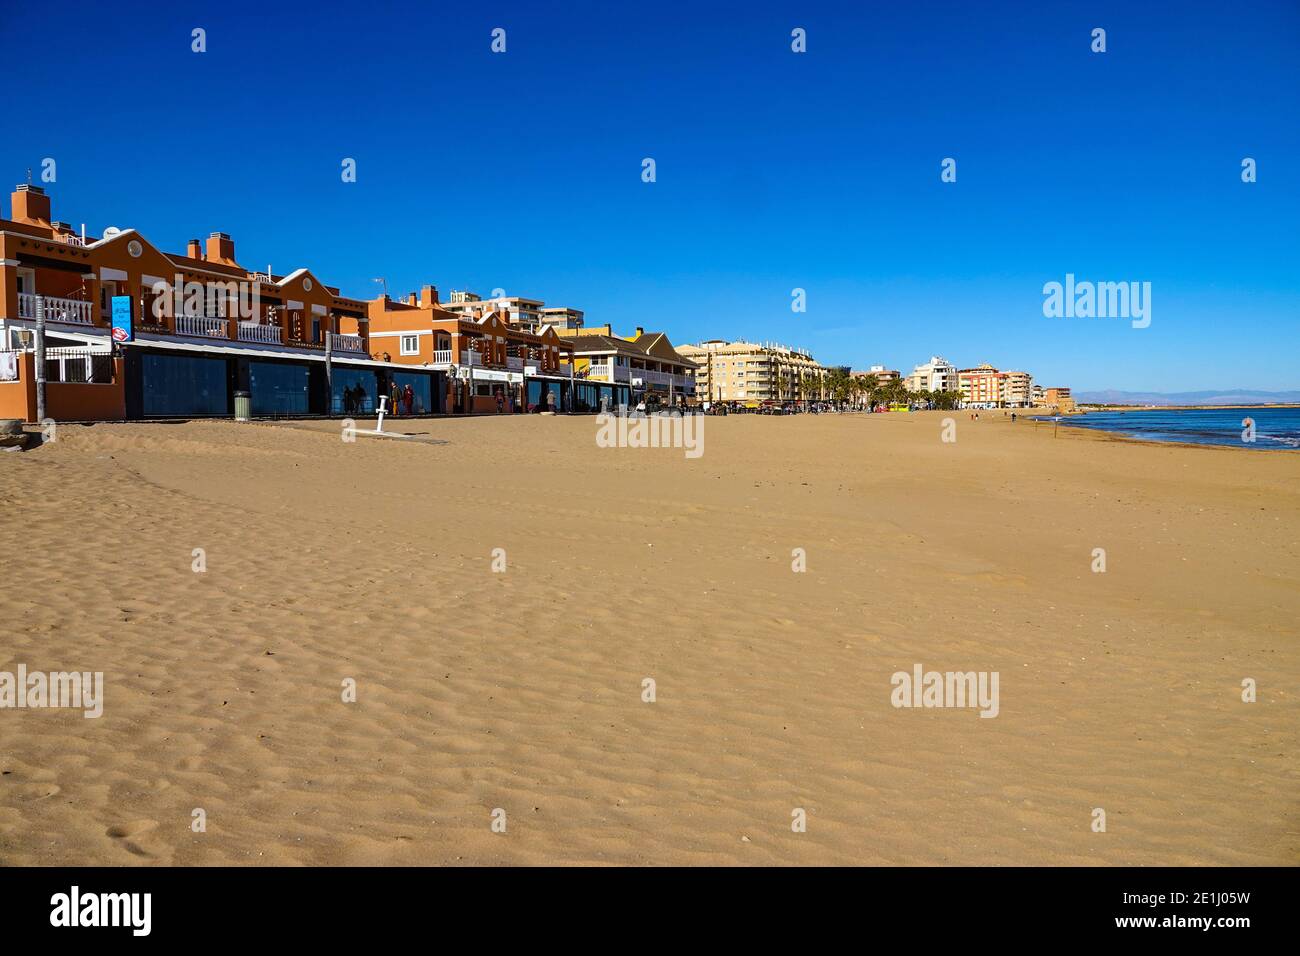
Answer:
(122, 318)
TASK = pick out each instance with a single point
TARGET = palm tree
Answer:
(867, 386)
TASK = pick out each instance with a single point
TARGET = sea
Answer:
(1275, 428)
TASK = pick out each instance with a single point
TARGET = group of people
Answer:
(354, 400)
(401, 401)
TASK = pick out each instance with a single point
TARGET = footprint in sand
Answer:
(134, 837)
(35, 791)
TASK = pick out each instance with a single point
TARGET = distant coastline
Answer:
(1086, 406)
(1250, 427)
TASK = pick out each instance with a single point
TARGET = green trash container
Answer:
(243, 405)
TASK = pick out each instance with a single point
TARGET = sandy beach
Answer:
(522, 690)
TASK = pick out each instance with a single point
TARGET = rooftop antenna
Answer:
(383, 282)
(29, 175)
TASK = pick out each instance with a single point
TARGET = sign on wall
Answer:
(122, 318)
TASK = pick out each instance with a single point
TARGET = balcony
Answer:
(257, 332)
(340, 342)
(203, 326)
(71, 311)
(442, 357)
(515, 363)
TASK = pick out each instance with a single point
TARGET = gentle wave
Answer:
(1275, 428)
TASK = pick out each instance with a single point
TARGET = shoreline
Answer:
(1073, 423)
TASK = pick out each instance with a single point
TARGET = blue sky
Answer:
(775, 170)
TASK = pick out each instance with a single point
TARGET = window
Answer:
(278, 389)
(410, 345)
(183, 385)
(107, 289)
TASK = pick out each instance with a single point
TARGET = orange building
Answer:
(1060, 399)
(980, 387)
(134, 332)
(493, 362)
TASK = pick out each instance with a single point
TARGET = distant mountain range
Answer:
(1226, 396)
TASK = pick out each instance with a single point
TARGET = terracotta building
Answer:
(135, 332)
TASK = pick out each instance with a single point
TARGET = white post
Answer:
(383, 407)
(40, 358)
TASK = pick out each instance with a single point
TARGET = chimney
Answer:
(639, 332)
(30, 205)
(429, 295)
(221, 248)
(412, 299)
(194, 249)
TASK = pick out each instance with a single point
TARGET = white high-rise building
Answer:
(936, 375)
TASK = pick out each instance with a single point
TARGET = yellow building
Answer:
(749, 372)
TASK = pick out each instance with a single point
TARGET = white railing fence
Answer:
(257, 332)
(204, 326)
(71, 311)
(342, 342)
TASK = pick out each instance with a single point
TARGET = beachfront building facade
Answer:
(646, 362)
(986, 387)
(1058, 398)
(882, 375)
(936, 375)
(1016, 391)
(980, 387)
(134, 332)
(491, 362)
(752, 373)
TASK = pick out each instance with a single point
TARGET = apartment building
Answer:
(1059, 398)
(135, 332)
(750, 372)
(1017, 390)
(936, 375)
(882, 375)
(530, 314)
(986, 387)
(981, 387)
(646, 361)
(561, 317)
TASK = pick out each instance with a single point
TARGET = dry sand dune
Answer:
(522, 690)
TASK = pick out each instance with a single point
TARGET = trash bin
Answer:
(243, 405)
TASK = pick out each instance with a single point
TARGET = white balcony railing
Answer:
(72, 311)
(599, 370)
(204, 326)
(442, 356)
(257, 332)
(346, 343)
